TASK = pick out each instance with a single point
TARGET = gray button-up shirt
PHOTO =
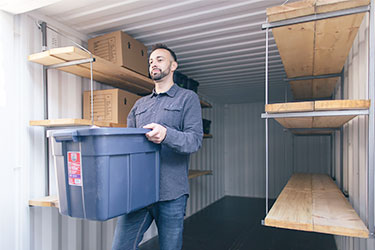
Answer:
(180, 112)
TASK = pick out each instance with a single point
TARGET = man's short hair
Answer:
(163, 46)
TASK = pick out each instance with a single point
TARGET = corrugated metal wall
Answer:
(236, 154)
(355, 138)
(11, 172)
(245, 152)
(44, 228)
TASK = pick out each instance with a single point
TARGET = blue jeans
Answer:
(169, 218)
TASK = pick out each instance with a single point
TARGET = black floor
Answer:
(234, 223)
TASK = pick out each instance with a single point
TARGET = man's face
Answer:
(160, 64)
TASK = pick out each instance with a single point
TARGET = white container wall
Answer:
(355, 138)
(245, 153)
(206, 189)
(19, 102)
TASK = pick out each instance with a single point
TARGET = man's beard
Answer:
(161, 75)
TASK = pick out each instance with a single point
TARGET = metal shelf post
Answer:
(266, 121)
(371, 121)
(43, 28)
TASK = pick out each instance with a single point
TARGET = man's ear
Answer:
(174, 66)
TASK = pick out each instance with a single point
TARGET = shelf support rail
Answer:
(312, 77)
(316, 17)
(266, 121)
(66, 64)
(43, 27)
(91, 60)
(371, 121)
(317, 113)
(342, 83)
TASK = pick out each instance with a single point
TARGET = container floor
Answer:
(234, 223)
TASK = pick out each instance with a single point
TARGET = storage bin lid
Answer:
(73, 134)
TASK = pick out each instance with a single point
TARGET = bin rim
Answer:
(100, 131)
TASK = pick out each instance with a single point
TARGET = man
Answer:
(174, 115)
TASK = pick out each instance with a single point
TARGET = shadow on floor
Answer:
(234, 223)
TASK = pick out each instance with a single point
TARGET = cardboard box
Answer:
(110, 105)
(122, 49)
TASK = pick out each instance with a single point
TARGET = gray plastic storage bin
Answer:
(105, 172)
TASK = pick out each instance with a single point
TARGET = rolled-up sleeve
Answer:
(189, 140)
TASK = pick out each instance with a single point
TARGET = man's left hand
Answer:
(157, 134)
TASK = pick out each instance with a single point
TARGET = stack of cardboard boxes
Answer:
(113, 105)
(120, 48)
(110, 105)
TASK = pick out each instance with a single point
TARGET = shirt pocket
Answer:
(142, 116)
(172, 116)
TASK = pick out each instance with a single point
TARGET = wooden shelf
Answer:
(316, 47)
(313, 202)
(197, 173)
(205, 104)
(316, 121)
(103, 71)
(52, 201)
(73, 122)
(207, 136)
(48, 201)
(321, 131)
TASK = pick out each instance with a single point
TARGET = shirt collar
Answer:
(171, 92)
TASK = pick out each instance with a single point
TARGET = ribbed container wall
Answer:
(245, 153)
(355, 138)
(13, 170)
(205, 190)
(42, 228)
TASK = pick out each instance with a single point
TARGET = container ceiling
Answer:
(218, 43)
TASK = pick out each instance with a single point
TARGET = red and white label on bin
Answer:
(74, 168)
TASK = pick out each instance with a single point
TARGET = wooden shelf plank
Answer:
(323, 6)
(341, 105)
(300, 182)
(313, 132)
(103, 70)
(299, 122)
(313, 89)
(196, 173)
(205, 104)
(310, 7)
(299, 203)
(48, 201)
(327, 105)
(207, 136)
(313, 202)
(316, 122)
(317, 47)
(333, 40)
(322, 183)
(291, 10)
(73, 122)
(331, 122)
(292, 42)
(52, 201)
(290, 107)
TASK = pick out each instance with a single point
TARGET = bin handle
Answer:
(67, 136)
